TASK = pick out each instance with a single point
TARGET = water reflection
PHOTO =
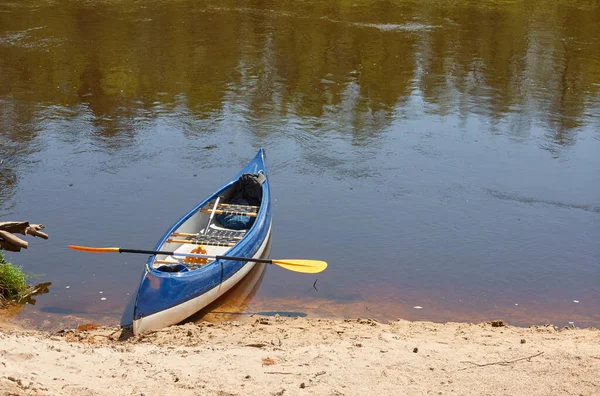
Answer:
(343, 69)
(236, 300)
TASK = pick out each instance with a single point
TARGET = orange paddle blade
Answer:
(93, 249)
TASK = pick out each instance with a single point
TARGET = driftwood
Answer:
(11, 242)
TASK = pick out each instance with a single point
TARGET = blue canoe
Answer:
(174, 288)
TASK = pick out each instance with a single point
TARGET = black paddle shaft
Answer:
(257, 260)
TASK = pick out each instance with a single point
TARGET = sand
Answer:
(300, 356)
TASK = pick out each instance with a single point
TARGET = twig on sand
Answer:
(256, 345)
(501, 363)
(278, 372)
(589, 382)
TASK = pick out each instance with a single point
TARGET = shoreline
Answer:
(241, 302)
(299, 356)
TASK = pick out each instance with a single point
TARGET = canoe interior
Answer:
(216, 239)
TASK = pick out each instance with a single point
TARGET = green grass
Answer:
(13, 282)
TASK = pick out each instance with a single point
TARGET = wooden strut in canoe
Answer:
(173, 262)
(209, 243)
(230, 212)
(165, 262)
(191, 266)
(245, 206)
(187, 234)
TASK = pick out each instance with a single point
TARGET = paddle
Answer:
(304, 266)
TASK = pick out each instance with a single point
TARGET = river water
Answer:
(443, 157)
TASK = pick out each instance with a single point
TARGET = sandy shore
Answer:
(299, 356)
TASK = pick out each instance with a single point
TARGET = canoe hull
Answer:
(165, 298)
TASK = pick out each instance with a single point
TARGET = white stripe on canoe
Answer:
(178, 313)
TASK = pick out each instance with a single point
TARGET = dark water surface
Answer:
(439, 155)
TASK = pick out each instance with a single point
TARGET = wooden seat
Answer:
(234, 209)
(214, 237)
(231, 212)
(210, 234)
(199, 241)
(225, 205)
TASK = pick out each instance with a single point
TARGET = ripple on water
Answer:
(385, 27)
(27, 39)
(530, 200)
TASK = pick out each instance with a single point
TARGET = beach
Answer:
(302, 356)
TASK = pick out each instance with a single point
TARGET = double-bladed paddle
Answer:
(304, 266)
